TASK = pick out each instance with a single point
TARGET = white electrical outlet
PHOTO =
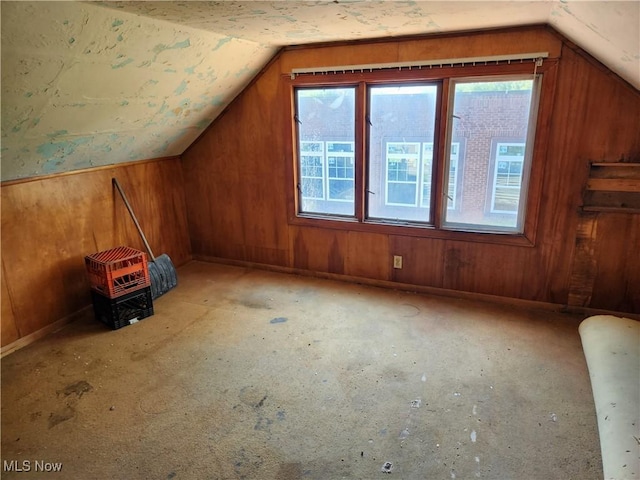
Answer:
(397, 261)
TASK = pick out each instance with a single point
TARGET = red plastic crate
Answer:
(117, 271)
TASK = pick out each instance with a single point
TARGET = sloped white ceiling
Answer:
(85, 86)
(88, 84)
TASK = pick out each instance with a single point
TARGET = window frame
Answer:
(338, 154)
(493, 172)
(323, 167)
(360, 80)
(387, 181)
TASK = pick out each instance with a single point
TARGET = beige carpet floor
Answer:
(250, 374)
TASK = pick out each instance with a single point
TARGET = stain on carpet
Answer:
(63, 415)
(79, 388)
(255, 302)
(289, 471)
(252, 396)
(261, 402)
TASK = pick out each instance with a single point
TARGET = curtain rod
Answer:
(422, 63)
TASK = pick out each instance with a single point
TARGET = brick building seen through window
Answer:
(486, 166)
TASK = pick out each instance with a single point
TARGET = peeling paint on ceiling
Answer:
(96, 86)
(609, 30)
(98, 83)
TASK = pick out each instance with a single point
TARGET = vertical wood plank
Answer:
(491, 269)
(214, 207)
(9, 332)
(368, 256)
(319, 250)
(584, 262)
(422, 260)
(235, 180)
(616, 284)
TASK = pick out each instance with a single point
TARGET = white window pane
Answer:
(493, 118)
(312, 188)
(326, 159)
(401, 136)
(509, 160)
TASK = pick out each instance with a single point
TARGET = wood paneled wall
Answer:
(50, 224)
(236, 182)
(233, 205)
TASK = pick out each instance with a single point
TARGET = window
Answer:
(401, 121)
(312, 170)
(507, 178)
(454, 178)
(326, 168)
(426, 152)
(341, 171)
(494, 181)
(402, 160)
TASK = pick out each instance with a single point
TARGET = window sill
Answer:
(410, 230)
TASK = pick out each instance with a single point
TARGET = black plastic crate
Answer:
(124, 310)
